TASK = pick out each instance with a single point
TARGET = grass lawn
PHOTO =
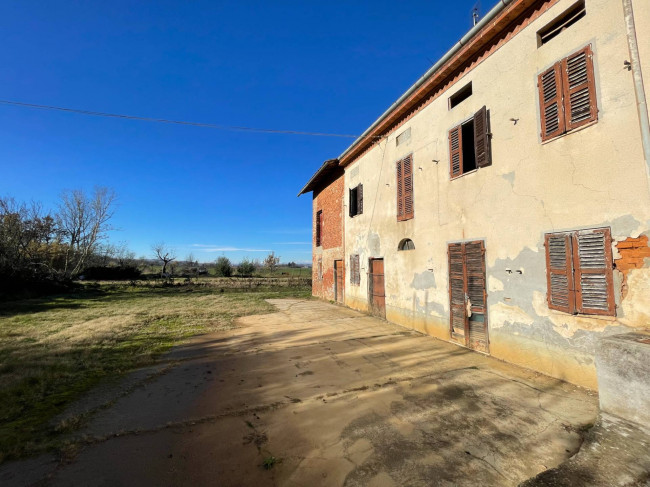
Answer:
(54, 349)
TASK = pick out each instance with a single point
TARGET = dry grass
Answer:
(52, 350)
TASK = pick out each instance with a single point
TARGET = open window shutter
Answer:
(482, 138)
(559, 273)
(550, 102)
(455, 152)
(592, 261)
(407, 181)
(400, 191)
(360, 199)
(457, 291)
(579, 89)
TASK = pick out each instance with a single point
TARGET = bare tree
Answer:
(271, 262)
(83, 221)
(164, 254)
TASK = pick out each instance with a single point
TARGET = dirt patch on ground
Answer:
(317, 394)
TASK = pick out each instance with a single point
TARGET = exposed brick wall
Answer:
(634, 252)
(329, 199)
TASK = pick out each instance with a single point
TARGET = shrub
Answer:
(223, 267)
(245, 268)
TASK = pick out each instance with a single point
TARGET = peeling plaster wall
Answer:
(589, 178)
(329, 199)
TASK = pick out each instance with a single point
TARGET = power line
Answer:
(234, 128)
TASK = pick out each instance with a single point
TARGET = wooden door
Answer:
(376, 284)
(467, 295)
(339, 281)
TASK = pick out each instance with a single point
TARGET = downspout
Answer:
(635, 66)
(482, 23)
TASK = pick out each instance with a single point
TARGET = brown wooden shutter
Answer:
(482, 138)
(559, 272)
(357, 270)
(360, 199)
(407, 181)
(350, 205)
(477, 295)
(579, 89)
(319, 218)
(457, 291)
(400, 190)
(550, 102)
(592, 262)
(455, 152)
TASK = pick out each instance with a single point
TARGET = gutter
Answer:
(474, 30)
(635, 66)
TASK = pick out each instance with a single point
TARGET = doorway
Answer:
(339, 281)
(468, 323)
(376, 287)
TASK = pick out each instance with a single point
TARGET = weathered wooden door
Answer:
(376, 284)
(339, 280)
(467, 295)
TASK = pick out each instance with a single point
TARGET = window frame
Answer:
(404, 190)
(319, 228)
(562, 99)
(355, 194)
(569, 274)
(482, 143)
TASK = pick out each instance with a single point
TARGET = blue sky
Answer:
(296, 65)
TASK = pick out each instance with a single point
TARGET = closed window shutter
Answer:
(482, 138)
(559, 272)
(455, 152)
(579, 89)
(592, 261)
(400, 190)
(407, 180)
(457, 290)
(318, 227)
(356, 278)
(352, 269)
(360, 199)
(550, 102)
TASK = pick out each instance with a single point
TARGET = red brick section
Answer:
(329, 199)
(633, 253)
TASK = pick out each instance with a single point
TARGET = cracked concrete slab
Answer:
(323, 395)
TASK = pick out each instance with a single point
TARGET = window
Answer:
(461, 95)
(319, 228)
(406, 244)
(579, 272)
(355, 272)
(564, 21)
(405, 188)
(403, 137)
(567, 94)
(469, 144)
(356, 201)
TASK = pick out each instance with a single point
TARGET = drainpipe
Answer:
(635, 66)
(479, 25)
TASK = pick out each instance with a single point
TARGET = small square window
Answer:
(461, 95)
(561, 23)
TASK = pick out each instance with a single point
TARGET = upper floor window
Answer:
(319, 228)
(567, 94)
(561, 23)
(405, 188)
(461, 95)
(356, 200)
(406, 244)
(579, 272)
(469, 144)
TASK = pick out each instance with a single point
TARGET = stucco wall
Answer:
(329, 199)
(589, 178)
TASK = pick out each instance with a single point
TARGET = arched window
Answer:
(406, 244)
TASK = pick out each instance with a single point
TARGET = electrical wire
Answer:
(233, 128)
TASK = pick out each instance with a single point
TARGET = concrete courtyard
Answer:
(317, 394)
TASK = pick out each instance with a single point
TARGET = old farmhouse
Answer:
(503, 202)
